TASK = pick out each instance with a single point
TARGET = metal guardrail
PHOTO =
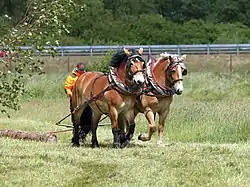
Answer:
(154, 49)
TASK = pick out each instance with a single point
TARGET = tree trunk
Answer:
(24, 135)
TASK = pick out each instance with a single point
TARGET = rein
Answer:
(83, 105)
(91, 93)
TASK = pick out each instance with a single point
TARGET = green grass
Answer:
(206, 140)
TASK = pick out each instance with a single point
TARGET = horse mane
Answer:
(165, 55)
(122, 65)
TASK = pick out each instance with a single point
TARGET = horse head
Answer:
(131, 71)
(174, 70)
(135, 69)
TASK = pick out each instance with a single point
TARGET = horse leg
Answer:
(114, 123)
(122, 125)
(76, 123)
(76, 139)
(162, 118)
(131, 121)
(86, 121)
(152, 127)
(95, 120)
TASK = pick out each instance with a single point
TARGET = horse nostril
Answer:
(139, 82)
(178, 92)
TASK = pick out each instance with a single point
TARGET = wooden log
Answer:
(24, 135)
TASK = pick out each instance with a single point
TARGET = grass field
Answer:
(207, 140)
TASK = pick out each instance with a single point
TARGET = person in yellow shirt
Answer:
(71, 79)
(69, 84)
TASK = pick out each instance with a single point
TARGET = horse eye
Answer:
(173, 71)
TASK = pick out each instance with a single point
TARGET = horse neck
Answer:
(159, 72)
(123, 74)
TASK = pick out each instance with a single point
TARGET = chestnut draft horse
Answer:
(164, 79)
(112, 98)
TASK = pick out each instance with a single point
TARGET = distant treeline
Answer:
(148, 22)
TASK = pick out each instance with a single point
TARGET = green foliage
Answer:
(119, 22)
(102, 65)
(43, 24)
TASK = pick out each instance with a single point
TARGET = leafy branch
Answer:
(43, 24)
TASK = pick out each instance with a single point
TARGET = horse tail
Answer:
(86, 119)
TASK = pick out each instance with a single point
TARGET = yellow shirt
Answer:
(70, 82)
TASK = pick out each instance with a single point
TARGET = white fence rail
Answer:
(155, 49)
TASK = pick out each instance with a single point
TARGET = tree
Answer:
(42, 24)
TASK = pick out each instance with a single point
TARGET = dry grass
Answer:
(195, 63)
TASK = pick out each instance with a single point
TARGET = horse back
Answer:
(91, 84)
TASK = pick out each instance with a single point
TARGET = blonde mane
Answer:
(166, 55)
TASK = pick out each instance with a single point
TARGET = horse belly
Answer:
(149, 102)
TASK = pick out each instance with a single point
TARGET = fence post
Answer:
(178, 50)
(68, 65)
(230, 65)
(208, 50)
(62, 53)
(237, 49)
(91, 54)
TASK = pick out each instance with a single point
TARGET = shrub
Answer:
(102, 65)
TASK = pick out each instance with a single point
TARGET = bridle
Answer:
(157, 89)
(130, 63)
(169, 72)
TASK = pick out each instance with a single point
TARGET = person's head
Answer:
(80, 68)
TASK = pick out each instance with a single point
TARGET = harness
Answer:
(118, 85)
(152, 85)
(114, 83)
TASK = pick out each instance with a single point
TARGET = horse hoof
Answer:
(75, 145)
(125, 144)
(95, 145)
(139, 137)
(160, 143)
(116, 145)
(123, 139)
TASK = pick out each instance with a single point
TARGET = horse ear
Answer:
(170, 58)
(140, 51)
(126, 51)
(183, 57)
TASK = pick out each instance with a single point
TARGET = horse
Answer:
(108, 95)
(164, 80)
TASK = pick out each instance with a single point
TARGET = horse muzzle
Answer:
(178, 92)
(178, 87)
(138, 79)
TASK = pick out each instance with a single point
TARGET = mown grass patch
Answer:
(206, 137)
